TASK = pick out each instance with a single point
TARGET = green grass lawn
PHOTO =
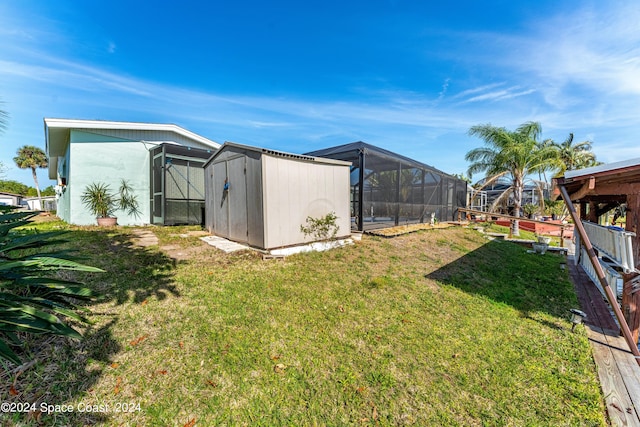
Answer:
(436, 327)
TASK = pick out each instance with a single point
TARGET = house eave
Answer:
(57, 133)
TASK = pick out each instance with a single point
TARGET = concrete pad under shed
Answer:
(226, 246)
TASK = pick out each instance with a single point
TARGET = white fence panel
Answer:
(614, 244)
(614, 279)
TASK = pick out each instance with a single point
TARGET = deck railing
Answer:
(614, 279)
(613, 243)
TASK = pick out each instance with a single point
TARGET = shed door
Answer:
(237, 199)
(219, 203)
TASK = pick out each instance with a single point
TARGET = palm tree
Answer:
(30, 157)
(575, 156)
(513, 154)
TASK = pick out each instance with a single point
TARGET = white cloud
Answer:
(499, 95)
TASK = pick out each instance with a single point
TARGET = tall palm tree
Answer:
(575, 156)
(514, 154)
(30, 157)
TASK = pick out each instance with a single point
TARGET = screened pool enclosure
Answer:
(388, 189)
(177, 184)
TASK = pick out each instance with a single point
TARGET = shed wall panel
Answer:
(255, 218)
(209, 197)
(294, 190)
(220, 209)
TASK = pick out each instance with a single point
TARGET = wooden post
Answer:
(631, 298)
(592, 215)
(626, 332)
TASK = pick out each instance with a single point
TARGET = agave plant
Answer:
(31, 300)
(98, 198)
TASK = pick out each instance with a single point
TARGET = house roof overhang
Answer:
(57, 133)
(605, 183)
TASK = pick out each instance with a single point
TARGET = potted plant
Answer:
(530, 210)
(555, 208)
(98, 198)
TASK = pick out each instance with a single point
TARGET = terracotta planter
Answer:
(107, 221)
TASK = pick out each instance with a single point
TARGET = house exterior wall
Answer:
(64, 193)
(149, 138)
(10, 199)
(84, 152)
(109, 160)
(296, 189)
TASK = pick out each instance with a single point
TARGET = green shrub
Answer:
(323, 228)
(31, 300)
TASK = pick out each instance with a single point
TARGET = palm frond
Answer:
(30, 301)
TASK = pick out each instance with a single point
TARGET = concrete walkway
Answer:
(144, 237)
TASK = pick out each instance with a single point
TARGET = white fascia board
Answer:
(103, 124)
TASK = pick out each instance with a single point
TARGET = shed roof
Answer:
(228, 145)
(57, 134)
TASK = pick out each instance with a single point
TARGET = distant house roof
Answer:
(227, 145)
(349, 152)
(3, 193)
(38, 198)
(57, 133)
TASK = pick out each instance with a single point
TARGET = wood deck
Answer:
(618, 371)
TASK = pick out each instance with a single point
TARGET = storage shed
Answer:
(261, 197)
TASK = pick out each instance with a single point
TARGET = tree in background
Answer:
(515, 154)
(47, 191)
(575, 156)
(30, 157)
(14, 187)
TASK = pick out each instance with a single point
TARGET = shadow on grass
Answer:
(132, 273)
(504, 272)
(65, 370)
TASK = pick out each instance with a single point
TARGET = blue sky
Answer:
(409, 76)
